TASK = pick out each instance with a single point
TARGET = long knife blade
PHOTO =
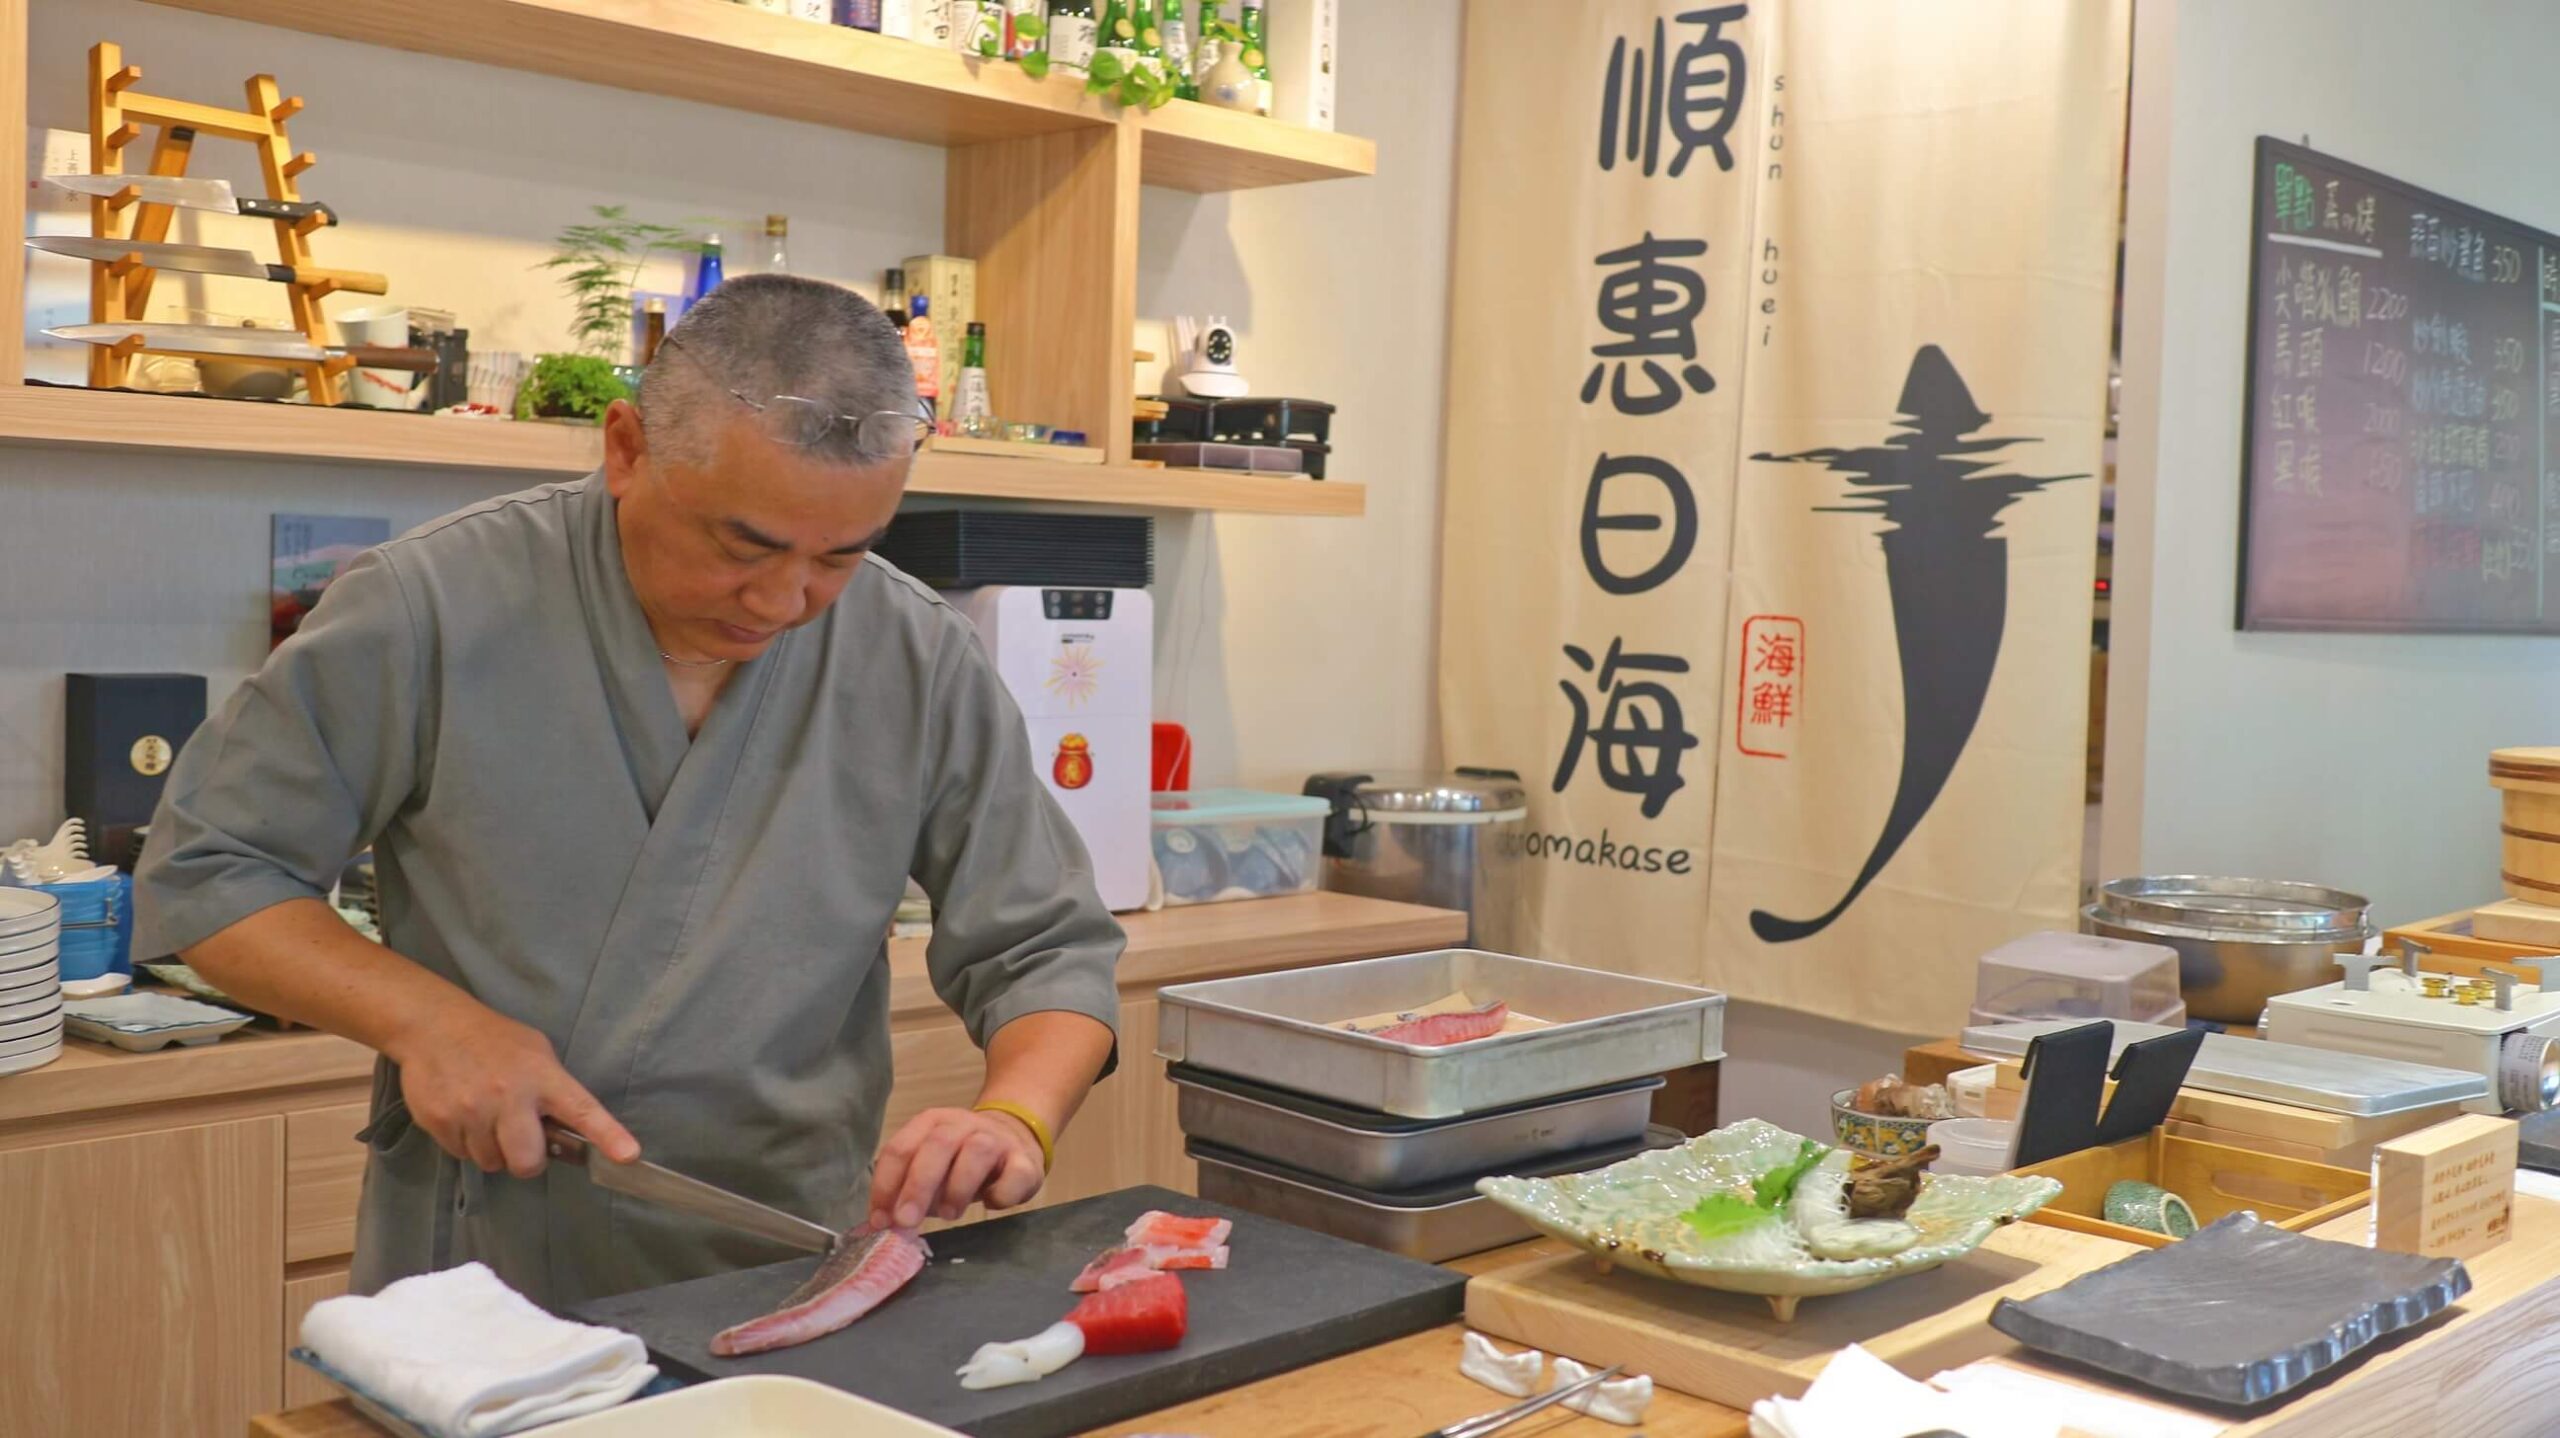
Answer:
(240, 340)
(187, 194)
(205, 260)
(214, 195)
(655, 1183)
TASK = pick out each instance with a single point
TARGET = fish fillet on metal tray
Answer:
(1281, 1029)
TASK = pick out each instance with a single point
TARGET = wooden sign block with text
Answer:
(2448, 1191)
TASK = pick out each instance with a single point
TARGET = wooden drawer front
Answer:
(323, 1173)
(301, 1385)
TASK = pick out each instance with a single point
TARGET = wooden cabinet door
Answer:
(323, 1175)
(147, 1270)
(301, 1385)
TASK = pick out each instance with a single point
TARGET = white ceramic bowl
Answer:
(35, 1003)
(17, 949)
(47, 975)
(44, 1022)
(12, 1048)
(32, 1059)
(26, 910)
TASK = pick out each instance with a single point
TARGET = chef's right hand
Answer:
(482, 1084)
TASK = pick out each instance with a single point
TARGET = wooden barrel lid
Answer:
(2530, 769)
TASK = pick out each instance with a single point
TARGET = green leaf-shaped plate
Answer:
(1629, 1213)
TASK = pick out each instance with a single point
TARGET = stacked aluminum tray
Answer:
(1382, 1142)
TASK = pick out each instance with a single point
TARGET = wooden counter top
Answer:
(1203, 941)
(1394, 1390)
(91, 1077)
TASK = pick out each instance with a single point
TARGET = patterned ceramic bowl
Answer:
(1874, 1135)
(1631, 1213)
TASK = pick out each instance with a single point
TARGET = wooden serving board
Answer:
(2481, 1371)
(1726, 1348)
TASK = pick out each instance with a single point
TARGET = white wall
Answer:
(2358, 761)
(1290, 645)
(1297, 645)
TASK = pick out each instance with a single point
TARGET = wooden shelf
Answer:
(729, 55)
(117, 420)
(1191, 146)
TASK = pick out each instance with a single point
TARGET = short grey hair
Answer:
(763, 335)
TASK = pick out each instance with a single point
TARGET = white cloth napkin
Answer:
(1859, 1395)
(469, 1357)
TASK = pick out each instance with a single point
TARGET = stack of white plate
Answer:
(30, 980)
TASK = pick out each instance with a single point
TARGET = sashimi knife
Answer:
(241, 340)
(658, 1184)
(205, 260)
(187, 194)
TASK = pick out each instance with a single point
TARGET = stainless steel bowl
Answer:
(2240, 942)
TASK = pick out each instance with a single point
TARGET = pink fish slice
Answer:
(1159, 1229)
(1437, 1030)
(861, 1273)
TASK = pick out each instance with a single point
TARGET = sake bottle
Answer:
(1177, 52)
(922, 352)
(1205, 47)
(985, 36)
(1257, 54)
(1018, 46)
(1073, 34)
(1150, 38)
(972, 413)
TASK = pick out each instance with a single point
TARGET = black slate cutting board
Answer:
(1289, 1297)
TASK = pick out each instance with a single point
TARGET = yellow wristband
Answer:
(1029, 1120)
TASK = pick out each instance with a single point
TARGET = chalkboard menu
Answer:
(2404, 409)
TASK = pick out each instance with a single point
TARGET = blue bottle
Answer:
(706, 270)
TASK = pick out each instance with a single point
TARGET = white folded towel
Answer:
(468, 1357)
(1858, 1395)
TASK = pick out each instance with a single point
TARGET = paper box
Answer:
(950, 287)
(1303, 48)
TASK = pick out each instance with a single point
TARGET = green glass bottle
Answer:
(1118, 37)
(1205, 47)
(1150, 39)
(1257, 53)
(1178, 41)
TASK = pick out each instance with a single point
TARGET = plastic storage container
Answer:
(97, 926)
(2078, 976)
(1218, 844)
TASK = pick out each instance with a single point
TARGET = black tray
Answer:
(2242, 1312)
(1370, 1120)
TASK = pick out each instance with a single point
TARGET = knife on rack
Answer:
(188, 194)
(245, 342)
(663, 1186)
(206, 260)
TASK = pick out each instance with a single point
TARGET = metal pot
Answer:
(1451, 841)
(2240, 942)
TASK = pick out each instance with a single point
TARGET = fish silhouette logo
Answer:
(1947, 571)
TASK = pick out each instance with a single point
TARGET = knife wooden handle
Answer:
(356, 282)
(563, 1144)
(416, 361)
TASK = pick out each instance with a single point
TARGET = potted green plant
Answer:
(599, 262)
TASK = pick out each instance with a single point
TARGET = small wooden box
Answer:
(2447, 1191)
(2513, 921)
(2453, 948)
(2214, 1180)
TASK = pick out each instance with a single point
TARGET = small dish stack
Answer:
(30, 980)
(1296, 1118)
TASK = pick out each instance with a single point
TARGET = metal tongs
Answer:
(1484, 1423)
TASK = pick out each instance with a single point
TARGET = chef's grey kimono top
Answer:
(698, 926)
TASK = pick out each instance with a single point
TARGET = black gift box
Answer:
(121, 732)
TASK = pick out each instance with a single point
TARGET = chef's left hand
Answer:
(946, 1159)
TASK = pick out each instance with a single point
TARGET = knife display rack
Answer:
(120, 290)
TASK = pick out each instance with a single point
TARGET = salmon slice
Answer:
(1146, 1316)
(1435, 1030)
(859, 1274)
(1158, 1229)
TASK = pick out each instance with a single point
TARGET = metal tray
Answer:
(1432, 1225)
(1275, 1029)
(1368, 1150)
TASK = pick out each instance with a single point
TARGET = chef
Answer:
(646, 761)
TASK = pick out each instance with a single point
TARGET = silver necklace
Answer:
(691, 663)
